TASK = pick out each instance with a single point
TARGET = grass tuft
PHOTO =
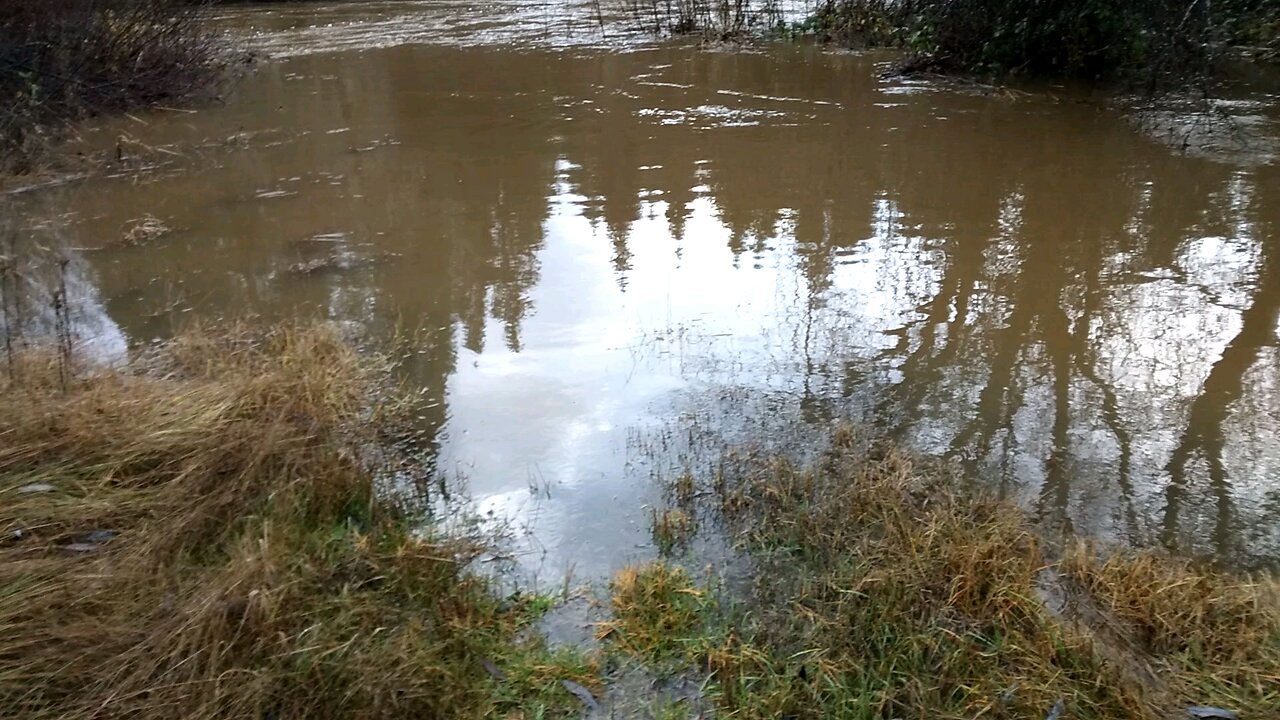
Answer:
(657, 611)
(1214, 636)
(672, 529)
(198, 535)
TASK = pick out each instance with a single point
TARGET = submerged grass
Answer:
(883, 589)
(672, 529)
(199, 536)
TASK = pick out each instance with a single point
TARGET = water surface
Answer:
(628, 254)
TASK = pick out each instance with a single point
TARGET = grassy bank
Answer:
(199, 535)
(881, 588)
(64, 60)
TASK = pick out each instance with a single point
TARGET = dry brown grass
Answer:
(199, 537)
(1210, 636)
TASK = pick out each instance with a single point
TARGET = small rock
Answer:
(90, 542)
(36, 488)
(582, 694)
(1213, 713)
(493, 670)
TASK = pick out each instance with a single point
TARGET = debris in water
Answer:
(145, 229)
(338, 263)
(329, 237)
(383, 142)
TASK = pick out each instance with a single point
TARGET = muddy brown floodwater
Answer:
(630, 253)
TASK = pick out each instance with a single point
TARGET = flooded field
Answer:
(625, 254)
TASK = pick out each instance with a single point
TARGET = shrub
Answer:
(1087, 39)
(66, 59)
